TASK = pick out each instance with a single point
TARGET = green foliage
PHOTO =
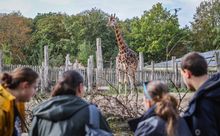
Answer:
(206, 25)
(120, 127)
(15, 33)
(49, 30)
(7, 55)
(85, 50)
(156, 31)
(89, 25)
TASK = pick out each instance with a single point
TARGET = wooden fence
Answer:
(107, 77)
(99, 76)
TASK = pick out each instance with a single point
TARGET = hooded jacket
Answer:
(64, 115)
(7, 114)
(133, 123)
(203, 112)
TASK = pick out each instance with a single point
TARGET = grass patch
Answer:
(120, 127)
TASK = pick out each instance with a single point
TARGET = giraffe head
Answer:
(112, 21)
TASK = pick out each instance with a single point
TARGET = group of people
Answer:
(66, 113)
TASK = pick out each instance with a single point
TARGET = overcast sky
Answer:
(123, 8)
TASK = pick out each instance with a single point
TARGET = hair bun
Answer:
(6, 79)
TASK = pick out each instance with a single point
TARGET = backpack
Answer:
(93, 128)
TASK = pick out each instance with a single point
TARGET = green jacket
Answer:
(64, 115)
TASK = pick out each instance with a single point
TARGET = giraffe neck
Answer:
(121, 43)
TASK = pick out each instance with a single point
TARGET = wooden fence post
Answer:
(182, 84)
(90, 72)
(141, 66)
(46, 67)
(152, 70)
(41, 76)
(99, 63)
(176, 75)
(174, 70)
(67, 61)
(217, 59)
(1, 61)
(60, 73)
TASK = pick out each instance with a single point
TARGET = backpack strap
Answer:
(93, 116)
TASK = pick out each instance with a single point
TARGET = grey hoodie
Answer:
(64, 115)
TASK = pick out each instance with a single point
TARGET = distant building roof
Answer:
(209, 56)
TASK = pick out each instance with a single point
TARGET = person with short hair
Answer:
(203, 112)
(16, 88)
(66, 113)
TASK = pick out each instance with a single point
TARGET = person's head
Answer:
(71, 84)
(193, 66)
(156, 93)
(21, 82)
(153, 92)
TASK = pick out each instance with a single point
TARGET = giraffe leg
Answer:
(117, 72)
(119, 75)
(120, 80)
(129, 79)
(126, 78)
(132, 81)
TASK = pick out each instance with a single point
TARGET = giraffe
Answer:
(127, 59)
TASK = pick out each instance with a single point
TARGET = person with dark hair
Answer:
(66, 113)
(161, 117)
(16, 88)
(202, 114)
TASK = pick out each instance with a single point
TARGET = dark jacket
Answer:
(133, 123)
(203, 113)
(152, 125)
(64, 115)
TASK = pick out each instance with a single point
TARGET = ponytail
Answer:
(167, 109)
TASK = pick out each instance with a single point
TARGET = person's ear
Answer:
(81, 87)
(147, 103)
(80, 90)
(187, 73)
(24, 85)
